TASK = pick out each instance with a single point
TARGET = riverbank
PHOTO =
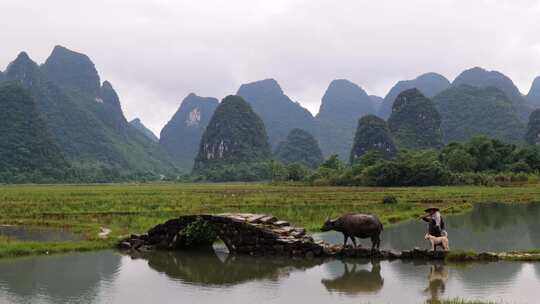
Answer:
(133, 208)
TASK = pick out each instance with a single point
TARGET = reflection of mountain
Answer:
(46, 277)
(356, 281)
(206, 269)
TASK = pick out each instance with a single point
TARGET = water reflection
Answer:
(206, 268)
(355, 279)
(437, 278)
(165, 277)
(57, 279)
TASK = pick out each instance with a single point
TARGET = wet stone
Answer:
(281, 223)
(268, 219)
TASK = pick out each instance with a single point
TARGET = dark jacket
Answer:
(433, 228)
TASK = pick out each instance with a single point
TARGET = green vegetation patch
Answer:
(135, 208)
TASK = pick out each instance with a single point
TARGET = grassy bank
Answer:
(15, 249)
(461, 301)
(131, 208)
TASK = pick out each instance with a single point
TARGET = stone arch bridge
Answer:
(245, 233)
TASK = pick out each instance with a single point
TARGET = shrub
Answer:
(519, 178)
(389, 200)
(297, 172)
(520, 167)
(199, 233)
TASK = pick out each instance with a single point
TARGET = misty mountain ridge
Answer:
(83, 115)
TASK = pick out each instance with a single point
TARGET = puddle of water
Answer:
(37, 234)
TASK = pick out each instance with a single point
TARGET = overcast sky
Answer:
(155, 52)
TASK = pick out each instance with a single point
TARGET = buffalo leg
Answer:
(345, 238)
(375, 242)
(353, 241)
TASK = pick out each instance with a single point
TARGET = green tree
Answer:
(300, 147)
(372, 134)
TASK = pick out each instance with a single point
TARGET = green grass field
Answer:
(134, 208)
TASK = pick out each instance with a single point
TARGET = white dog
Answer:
(438, 241)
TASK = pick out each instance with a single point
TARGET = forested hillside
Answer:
(299, 147)
(85, 118)
(234, 145)
(468, 111)
(28, 153)
(415, 123)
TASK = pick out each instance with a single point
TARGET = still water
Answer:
(216, 277)
(37, 233)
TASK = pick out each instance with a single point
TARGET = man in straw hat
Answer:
(435, 222)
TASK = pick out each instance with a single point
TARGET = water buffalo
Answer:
(357, 225)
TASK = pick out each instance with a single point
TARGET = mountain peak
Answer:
(72, 70)
(107, 85)
(137, 124)
(430, 84)
(234, 135)
(23, 56)
(345, 101)
(279, 113)
(432, 76)
(482, 78)
(267, 86)
(22, 59)
(24, 70)
(533, 97)
(343, 84)
(109, 96)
